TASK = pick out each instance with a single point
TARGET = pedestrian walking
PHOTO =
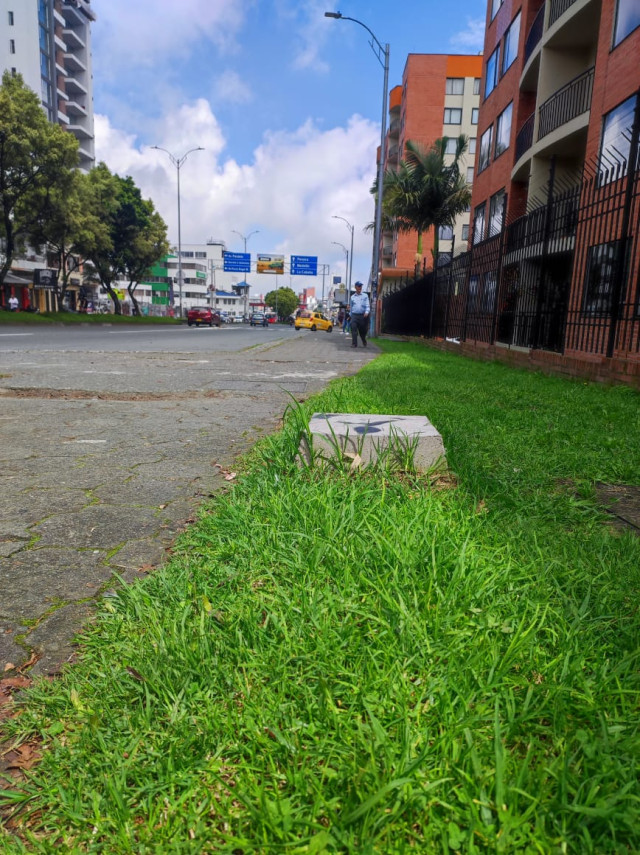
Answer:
(346, 324)
(13, 303)
(360, 308)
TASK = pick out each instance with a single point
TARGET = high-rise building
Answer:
(559, 86)
(48, 42)
(439, 97)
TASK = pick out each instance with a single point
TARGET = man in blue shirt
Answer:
(360, 308)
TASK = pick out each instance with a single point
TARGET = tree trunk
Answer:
(131, 287)
(117, 308)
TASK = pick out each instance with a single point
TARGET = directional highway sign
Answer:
(237, 262)
(304, 265)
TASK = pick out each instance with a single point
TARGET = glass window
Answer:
(474, 116)
(12, 46)
(474, 284)
(469, 174)
(492, 72)
(489, 291)
(465, 232)
(485, 149)
(503, 130)
(496, 212)
(627, 19)
(495, 6)
(616, 141)
(11, 19)
(478, 223)
(454, 86)
(452, 115)
(511, 39)
(476, 85)
(599, 279)
(451, 146)
(472, 145)
(445, 232)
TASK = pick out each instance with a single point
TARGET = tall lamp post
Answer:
(350, 265)
(178, 162)
(382, 55)
(245, 238)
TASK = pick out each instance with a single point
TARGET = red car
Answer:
(203, 315)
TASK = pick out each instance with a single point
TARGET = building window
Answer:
(445, 232)
(485, 149)
(627, 19)
(451, 146)
(454, 86)
(598, 286)
(465, 232)
(503, 130)
(472, 145)
(616, 141)
(452, 115)
(201, 254)
(474, 116)
(491, 79)
(496, 212)
(476, 85)
(12, 45)
(489, 291)
(495, 6)
(469, 174)
(511, 39)
(478, 223)
(11, 19)
(474, 284)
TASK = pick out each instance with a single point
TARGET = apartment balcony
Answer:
(567, 103)
(535, 34)
(394, 127)
(73, 40)
(74, 87)
(557, 8)
(76, 109)
(524, 139)
(79, 131)
(392, 156)
(73, 63)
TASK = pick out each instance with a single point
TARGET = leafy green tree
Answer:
(426, 192)
(65, 223)
(133, 238)
(36, 157)
(284, 301)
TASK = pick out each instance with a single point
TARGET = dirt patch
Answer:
(82, 395)
(622, 501)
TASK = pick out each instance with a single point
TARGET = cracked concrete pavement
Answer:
(107, 447)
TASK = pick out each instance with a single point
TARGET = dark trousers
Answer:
(359, 324)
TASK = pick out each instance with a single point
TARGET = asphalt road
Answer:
(109, 440)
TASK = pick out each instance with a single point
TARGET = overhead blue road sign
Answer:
(237, 262)
(304, 265)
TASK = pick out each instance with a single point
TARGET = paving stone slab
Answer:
(53, 639)
(97, 527)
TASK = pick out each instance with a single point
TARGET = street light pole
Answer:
(245, 238)
(177, 162)
(346, 255)
(350, 265)
(382, 55)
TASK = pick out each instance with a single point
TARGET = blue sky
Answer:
(287, 104)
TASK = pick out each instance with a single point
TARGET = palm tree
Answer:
(425, 192)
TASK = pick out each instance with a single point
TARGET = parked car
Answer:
(203, 315)
(313, 321)
(258, 320)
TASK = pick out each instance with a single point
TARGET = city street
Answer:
(111, 438)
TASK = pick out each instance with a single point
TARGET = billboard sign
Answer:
(237, 262)
(45, 278)
(340, 295)
(304, 265)
(270, 264)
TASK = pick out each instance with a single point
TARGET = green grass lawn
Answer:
(372, 662)
(77, 318)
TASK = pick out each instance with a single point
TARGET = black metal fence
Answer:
(562, 278)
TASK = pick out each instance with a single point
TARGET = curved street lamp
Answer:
(245, 238)
(177, 162)
(346, 254)
(382, 55)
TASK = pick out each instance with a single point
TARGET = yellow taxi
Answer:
(313, 321)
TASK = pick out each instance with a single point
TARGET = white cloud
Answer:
(294, 184)
(230, 87)
(145, 31)
(472, 37)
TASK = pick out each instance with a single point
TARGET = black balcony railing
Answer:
(573, 99)
(558, 8)
(524, 140)
(535, 33)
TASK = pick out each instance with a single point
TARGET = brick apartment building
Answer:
(439, 97)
